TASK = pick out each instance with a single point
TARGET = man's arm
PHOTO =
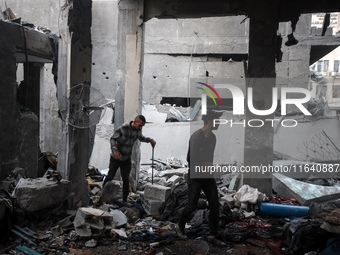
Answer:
(113, 141)
(145, 139)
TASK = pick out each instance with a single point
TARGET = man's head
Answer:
(139, 122)
(208, 118)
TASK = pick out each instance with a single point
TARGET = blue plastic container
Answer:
(283, 210)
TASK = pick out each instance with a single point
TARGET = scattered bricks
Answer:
(151, 207)
(156, 192)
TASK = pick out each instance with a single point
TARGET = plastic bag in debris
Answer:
(247, 194)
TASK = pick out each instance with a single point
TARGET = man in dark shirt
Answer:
(122, 142)
(201, 154)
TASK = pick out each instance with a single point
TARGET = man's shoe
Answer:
(180, 233)
(215, 241)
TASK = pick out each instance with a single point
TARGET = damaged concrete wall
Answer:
(167, 65)
(168, 46)
(43, 14)
(104, 52)
(9, 113)
(130, 34)
(293, 71)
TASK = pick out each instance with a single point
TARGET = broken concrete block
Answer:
(173, 180)
(119, 218)
(105, 208)
(120, 232)
(91, 243)
(95, 190)
(162, 181)
(111, 191)
(151, 207)
(36, 194)
(156, 192)
(149, 172)
(83, 230)
(92, 222)
(248, 215)
(303, 192)
(132, 213)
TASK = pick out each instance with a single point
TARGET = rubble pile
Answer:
(33, 223)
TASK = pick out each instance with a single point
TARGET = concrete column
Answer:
(128, 99)
(75, 60)
(29, 92)
(258, 147)
(130, 32)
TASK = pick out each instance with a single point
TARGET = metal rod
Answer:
(152, 166)
(330, 141)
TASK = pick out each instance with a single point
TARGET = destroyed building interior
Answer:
(73, 72)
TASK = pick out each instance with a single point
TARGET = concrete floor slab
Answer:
(304, 193)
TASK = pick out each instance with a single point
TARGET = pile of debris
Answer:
(35, 218)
